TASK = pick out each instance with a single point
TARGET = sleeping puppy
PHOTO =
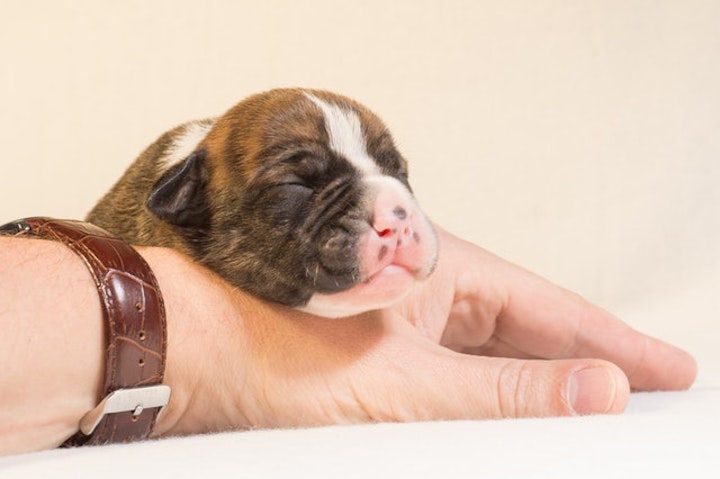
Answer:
(297, 196)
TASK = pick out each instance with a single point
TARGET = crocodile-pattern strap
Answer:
(134, 314)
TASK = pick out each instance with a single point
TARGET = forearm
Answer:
(51, 344)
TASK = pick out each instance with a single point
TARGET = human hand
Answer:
(481, 338)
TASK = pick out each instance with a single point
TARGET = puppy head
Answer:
(299, 197)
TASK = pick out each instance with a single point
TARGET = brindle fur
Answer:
(260, 195)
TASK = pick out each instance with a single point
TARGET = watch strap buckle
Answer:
(133, 400)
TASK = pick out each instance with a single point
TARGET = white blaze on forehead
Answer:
(345, 133)
(184, 144)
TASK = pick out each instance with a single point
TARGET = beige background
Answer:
(580, 139)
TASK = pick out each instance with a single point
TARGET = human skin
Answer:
(482, 338)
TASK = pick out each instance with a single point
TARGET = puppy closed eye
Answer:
(290, 183)
(288, 200)
(297, 190)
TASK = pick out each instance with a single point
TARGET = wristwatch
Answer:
(135, 330)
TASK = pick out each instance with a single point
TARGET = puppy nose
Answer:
(390, 222)
(392, 211)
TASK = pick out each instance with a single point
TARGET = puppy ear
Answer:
(179, 196)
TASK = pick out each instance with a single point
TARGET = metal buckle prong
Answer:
(133, 400)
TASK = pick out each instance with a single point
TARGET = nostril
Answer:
(390, 222)
(386, 233)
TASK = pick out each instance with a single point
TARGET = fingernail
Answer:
(591, 390)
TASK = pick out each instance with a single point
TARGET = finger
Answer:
(469, 387)
(528, 388)
(505, 310)
(547, 321)
(648, 362)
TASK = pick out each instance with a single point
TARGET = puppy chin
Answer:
(381, 290)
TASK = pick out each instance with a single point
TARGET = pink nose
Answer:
(401, 236)
(392, 214)
(394, 222)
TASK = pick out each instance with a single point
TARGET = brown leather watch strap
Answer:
(135, 332)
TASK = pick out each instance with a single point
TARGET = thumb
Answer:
(527, 388)
(484, 388)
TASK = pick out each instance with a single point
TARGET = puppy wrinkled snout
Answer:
(338, 252)
(336, 266)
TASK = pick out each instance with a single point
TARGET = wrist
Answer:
(205, 357)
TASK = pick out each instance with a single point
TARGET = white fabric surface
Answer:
(579, 139)
(661, 435)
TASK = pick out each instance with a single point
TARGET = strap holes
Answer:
(139, 306)
(141, 335)
(141, 362)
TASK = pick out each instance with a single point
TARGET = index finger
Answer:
(535, 318)
(545, 320)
